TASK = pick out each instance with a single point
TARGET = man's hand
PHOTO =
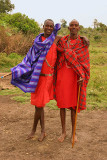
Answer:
(80, 81)
(85, 40)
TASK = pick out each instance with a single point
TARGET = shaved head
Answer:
(74, 20)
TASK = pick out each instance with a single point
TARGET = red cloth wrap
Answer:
(44, 91)
(77, 57)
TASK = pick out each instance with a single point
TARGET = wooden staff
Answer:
(6, 75)
(76, 116)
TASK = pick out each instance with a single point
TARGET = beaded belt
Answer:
(48, 63)
(42, 74)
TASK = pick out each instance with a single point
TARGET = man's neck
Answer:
(73, 36)
(46, 36)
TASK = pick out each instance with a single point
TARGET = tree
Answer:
(81, 27)
(23, 23)
(6, 6)
(63, 23)
(102, 27)
(95, 23)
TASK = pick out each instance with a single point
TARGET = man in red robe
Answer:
(73, 69)
(44, 90)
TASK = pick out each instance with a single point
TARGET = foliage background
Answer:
(17, 32)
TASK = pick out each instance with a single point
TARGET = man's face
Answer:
(74, 27)
(48, 28)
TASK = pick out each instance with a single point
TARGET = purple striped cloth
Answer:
(26, 74)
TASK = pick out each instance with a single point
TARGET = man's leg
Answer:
(37, 116)
(73, 113)
(63, 121)
(42, 123)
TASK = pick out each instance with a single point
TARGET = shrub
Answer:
(97, 37)
(21, 22)
(18, 42)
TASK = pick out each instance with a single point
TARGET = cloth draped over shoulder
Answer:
(77, 56)
(26, 74)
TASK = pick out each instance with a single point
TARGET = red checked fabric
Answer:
(77, 56)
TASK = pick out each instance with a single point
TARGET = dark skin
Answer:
(73, 28)
(39, 112)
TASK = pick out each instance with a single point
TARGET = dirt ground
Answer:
(16, 121)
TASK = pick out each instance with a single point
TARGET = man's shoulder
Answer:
(64, 38)
(60, 39)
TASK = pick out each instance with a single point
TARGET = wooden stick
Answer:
(6, 75)
(76, 116)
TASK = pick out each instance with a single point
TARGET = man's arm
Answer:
(85, 40)
(57, 38)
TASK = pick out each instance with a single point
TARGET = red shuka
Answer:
(44, 91)
(72, 63)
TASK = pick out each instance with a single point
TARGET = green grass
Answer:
(17, 95)
(52, 105)
(22, 99)
(98, 56)
(97, 87)
(9, 61)
(15, 91)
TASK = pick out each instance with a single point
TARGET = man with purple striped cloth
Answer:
(35, 73)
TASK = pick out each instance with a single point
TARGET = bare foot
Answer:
(31, 135)
(62, 137)
(42, 136)
(75, 139)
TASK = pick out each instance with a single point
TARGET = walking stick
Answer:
(76, 116)
(6, 75)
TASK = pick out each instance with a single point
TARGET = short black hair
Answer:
(48, 20)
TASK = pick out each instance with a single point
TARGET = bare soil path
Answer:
(15, 124)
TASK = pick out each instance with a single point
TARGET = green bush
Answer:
(97, 37)
(21, 22)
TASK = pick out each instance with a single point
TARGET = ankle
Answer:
(42, 131)
(64, 132)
